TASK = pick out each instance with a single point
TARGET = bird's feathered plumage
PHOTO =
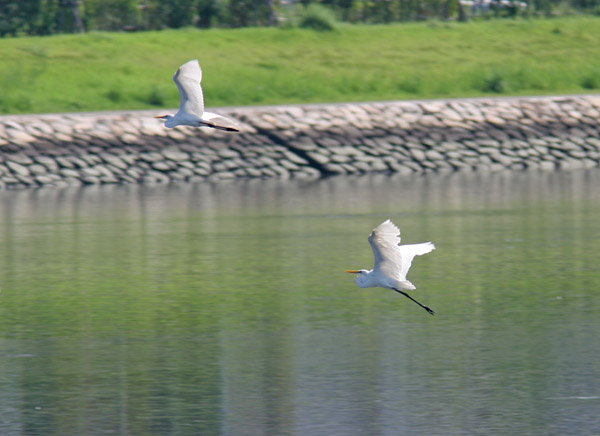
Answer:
(392, 261)
(188, 78)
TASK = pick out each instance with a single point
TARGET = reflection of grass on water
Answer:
(101, 71)
(151, 308)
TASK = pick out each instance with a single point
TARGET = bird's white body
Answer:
(392, 260)
(191, 107)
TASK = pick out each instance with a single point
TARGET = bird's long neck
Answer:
(170, 121)
(365, 279)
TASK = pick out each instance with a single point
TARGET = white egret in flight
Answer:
(191, 109)
(392, 261)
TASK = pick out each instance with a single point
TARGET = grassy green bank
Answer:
(109, 71)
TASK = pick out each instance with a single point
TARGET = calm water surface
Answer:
(224, 309)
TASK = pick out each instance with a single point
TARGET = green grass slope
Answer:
(109, 71)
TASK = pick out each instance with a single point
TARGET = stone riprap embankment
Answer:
(304, 141)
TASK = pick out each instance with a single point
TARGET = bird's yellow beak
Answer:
(353, 271)
(161, 116)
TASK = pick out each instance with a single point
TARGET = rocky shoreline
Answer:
(304, 141)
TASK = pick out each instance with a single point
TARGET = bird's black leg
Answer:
(214, 126)
(430, 311)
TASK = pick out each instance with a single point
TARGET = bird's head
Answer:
(168, 120)
(361, 275)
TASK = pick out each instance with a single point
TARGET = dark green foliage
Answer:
(243, 13)
(207, 11)
(114, 95)
(176, 13)
(110, 14)
(591, 81)
(317, 17)
(156, 97)
(495, 83)
(17, 16)
(44, 17)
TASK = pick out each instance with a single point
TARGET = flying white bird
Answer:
(392, 261)
(191, 109)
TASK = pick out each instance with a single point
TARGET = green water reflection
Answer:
(224, 310)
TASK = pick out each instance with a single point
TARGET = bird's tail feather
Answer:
(418, 249)
(405, 284)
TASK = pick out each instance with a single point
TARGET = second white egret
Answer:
(191, 108)
(392, 261)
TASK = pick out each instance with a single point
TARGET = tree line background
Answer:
(46, 17)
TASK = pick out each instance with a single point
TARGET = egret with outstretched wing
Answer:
(191, 107)
(392, 261)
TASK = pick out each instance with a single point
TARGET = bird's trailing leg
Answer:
(225, 128)
(430, 311)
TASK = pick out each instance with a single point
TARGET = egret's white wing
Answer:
(408, 253)
(188, 78)
(220, 122)
(384, 240)
(392, 259)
